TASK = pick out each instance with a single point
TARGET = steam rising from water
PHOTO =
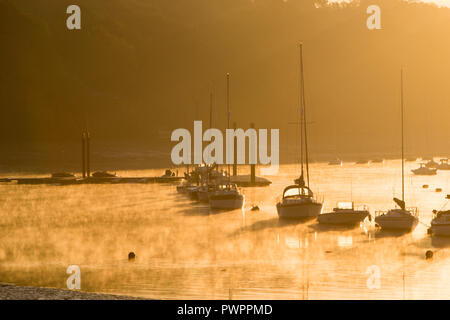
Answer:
(439, 3)
(184, 251)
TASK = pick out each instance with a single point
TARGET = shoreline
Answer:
(14, 292)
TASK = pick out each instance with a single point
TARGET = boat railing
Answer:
(414, 211)
(380, 213)
(362, 207)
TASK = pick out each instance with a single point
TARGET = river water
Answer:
(184, 251)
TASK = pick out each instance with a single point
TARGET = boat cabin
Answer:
(296, 191)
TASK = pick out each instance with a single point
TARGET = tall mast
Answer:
(403, 153)
(210, 109)
(303, 119)
(301, 110)
(228, 112)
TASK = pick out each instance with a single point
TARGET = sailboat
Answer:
(440, 225)
(423, 170)
(298, 200)
(226, 196)
(399, 218)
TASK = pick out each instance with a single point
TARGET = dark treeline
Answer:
(140, 68)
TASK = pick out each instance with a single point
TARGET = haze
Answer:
(139, 69)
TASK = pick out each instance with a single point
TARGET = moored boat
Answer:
(401, 219)
(335, 162)
(298, 201)
(344, 214)
(423, 170)
(443, 165)
(226, 197)
(440, 225)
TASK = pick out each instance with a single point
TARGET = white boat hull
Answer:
(298, 211)
(440, 230)
(342, 218)
(227, 204)
(405, 223)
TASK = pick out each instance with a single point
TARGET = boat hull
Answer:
(347, 218)
(231, 203)
(442, 230)
(298, 211)
(203, 196)
(418, 172)
(406, 223)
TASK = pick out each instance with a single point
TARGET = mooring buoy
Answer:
(429, 254)
(131, 256)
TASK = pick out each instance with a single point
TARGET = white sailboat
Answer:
(298, 200)
(399, 218)
(226, 195)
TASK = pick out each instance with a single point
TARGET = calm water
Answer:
(184, 251)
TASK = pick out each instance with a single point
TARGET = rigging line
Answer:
(304, 117)
(403, 155)
(301, 110)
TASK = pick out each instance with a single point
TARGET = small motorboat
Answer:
(104, 174)
(423, 170)
(361, 161)
(63, 175)
(335, 162)
(398, 219)
(226, 196)
(443, 165)
(377, 160)
(432, 164)
(168, 174)
(440, 225)
(345, 214)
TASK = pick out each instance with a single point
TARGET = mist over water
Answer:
(184, 251)
(439, 3)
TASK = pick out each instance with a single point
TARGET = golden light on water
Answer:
(439, 3)
(183, 251)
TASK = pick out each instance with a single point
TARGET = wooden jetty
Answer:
(249, 181)
(91, 180)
